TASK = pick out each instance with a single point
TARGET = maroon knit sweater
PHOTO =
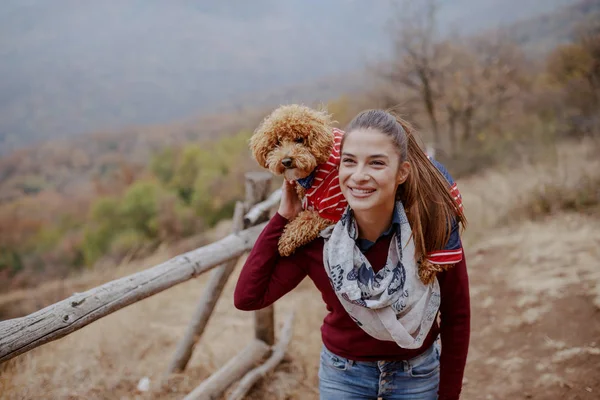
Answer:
(266, 276)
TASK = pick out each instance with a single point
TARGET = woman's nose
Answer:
(362, 178)
(360, 175)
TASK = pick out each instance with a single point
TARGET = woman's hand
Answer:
(290, 204)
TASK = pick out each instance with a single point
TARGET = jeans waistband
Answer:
(423, 355)
(411, 361)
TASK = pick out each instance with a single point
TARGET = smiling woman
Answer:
(381, 162)
(370, 173)
(385, 270)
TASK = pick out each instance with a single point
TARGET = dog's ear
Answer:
(321, 135)
(261, 143)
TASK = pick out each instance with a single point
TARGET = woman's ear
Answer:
(403, 171)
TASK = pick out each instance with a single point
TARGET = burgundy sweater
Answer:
(266, 276)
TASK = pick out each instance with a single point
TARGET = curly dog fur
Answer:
(293, 141)
(296, 132)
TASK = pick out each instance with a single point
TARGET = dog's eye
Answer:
(299, 140)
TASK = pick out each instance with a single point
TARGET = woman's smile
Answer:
(360, 192)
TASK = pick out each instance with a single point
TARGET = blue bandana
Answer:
(306, 183)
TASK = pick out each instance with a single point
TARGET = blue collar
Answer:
(364, 244)
(306, 183)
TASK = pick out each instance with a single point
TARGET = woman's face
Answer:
(370, 170)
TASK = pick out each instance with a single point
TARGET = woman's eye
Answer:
(347, 160)
(378, 163)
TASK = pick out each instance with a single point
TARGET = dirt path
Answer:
(535, 330)
(536, 312)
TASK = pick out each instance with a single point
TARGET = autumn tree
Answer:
(416, 65)
(460, 93)
(575, 67)
(482, 80)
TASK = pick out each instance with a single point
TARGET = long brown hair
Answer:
(429, 205)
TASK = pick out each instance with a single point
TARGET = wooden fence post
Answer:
(207, 303)
(213, 387)
(276, 357)
(258, 185)
(257, 190)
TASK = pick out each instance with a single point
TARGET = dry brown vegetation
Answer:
(480, 102)
(521, 136)
(535, 300)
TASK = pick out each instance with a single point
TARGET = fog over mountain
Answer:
(68, 67)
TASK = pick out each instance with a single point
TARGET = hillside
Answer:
(103, 147)
(70, 68)
(68, 203)
(543, 32)
(535, 300)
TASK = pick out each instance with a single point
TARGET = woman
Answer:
(381, 270)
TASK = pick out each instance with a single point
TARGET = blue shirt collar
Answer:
(364, 244)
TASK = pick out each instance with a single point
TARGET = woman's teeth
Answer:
(361, 191)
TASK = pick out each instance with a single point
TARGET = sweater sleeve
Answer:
(266, 276)
(455, 329)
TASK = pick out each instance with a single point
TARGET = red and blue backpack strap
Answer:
(452, 252)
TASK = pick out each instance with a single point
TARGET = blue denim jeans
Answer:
(414, 379)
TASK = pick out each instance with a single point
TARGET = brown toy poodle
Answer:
(299, 143)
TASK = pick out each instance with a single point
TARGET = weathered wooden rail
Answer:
(20, 335)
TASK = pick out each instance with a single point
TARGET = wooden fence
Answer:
(20, 335)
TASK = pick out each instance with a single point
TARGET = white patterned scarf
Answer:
(392, 304)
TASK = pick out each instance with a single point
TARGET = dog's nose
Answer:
(287, 162)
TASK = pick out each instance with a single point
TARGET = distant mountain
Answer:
(543, 32)
(69, 67)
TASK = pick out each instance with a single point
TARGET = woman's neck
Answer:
(372, 223)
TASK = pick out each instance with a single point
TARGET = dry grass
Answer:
(508, 195)
(112, 354)
(106, 359)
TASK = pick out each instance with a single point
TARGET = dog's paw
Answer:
(300, 231)
(286, 248)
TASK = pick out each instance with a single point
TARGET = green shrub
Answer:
(187, 171)
(96, 242)
(10, 260)
(139, 208)
(189, 223)
(105, 220)
(106, 211)
(47, 238)
(224, 212)
(163, 165)
(127, 241)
